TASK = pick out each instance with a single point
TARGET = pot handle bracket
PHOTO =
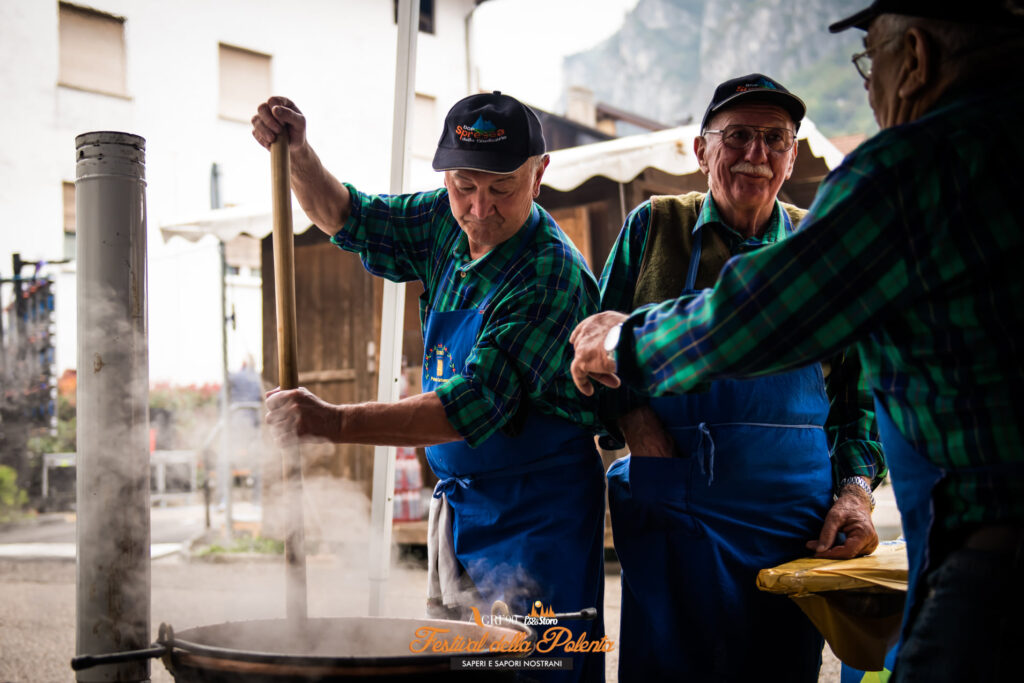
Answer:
(163, 646)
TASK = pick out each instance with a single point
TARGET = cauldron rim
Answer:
(181, 644)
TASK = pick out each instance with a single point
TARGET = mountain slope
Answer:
(669, 54)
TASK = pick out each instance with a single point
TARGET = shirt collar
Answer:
(460, 250)
(775, 232)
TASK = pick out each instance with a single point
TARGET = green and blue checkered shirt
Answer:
(851, 429)
(912, 251)
(522, 353)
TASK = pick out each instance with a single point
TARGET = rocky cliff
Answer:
(669, 54)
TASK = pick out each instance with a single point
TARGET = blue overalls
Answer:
(692, 532)
(528, 510)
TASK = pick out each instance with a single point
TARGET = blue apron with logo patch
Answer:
(753, 486)
(528, 510)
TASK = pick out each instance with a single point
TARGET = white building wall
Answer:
(334, 58)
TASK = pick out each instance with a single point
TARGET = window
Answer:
(426, 15)
(69, 220)
(92, 55)
(244, 82)
(425, 131)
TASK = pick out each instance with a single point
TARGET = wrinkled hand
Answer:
(591, 361)
(850, 514)
(271, 118)
(297, 416)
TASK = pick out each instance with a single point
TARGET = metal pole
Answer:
(113, 567)
(393, 313)
(224, 461)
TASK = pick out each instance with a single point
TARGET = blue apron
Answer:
(753, 486)
(528, 510)
(913, 479)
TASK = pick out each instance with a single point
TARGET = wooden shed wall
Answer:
(338, 316)
(338, 306)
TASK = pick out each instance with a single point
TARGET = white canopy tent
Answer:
(227, 224)
(621, 160)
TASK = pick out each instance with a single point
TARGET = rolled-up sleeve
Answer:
(852, 430)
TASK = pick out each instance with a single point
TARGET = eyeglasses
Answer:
(739, 136)
(862, 60)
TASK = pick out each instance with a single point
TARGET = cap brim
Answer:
(459, 159)
(859, 20)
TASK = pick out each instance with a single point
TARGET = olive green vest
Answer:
(669, 241)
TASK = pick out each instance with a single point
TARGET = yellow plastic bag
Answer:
(857, 604)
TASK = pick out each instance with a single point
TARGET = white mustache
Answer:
(763, 170)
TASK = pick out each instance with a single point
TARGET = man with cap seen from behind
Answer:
(518, 513)
(911, 252)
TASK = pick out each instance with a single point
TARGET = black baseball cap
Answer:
(999, 12)
(488, 132)
(754, 88)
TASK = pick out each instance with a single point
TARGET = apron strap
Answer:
(531, 228)
(706, 445)
(698, 239)
(452, 482)
(448, 485)
(691, 270)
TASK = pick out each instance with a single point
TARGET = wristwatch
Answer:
(859, 483)
(611, 343)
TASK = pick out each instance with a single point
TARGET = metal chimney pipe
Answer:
(113, 564)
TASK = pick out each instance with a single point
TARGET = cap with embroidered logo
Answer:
(754, 88)
(488, 132)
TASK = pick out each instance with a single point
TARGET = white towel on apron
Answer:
(449, 587)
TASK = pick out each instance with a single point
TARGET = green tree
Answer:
(12, 498)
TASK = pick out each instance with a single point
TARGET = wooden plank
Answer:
(575, 223)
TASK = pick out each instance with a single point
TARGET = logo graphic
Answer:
(552, 638)
(539, 616)
(761, 84)
(438, 364)
(539, 610)
(482, 130)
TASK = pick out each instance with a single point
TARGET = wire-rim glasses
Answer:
(741, 136)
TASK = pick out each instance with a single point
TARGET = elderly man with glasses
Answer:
(721, 484)
(911, 250)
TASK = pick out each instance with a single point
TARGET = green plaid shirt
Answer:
(522, 353)
(852, 432)
(912, 250)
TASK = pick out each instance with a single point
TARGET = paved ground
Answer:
(37, 598)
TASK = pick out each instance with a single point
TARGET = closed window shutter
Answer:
(244, 82)
(92, 54)
(69, 207)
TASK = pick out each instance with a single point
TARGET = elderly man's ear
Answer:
(917, 72)
(700, 146)
(545, 160)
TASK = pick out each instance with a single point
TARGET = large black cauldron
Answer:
(326, 650)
